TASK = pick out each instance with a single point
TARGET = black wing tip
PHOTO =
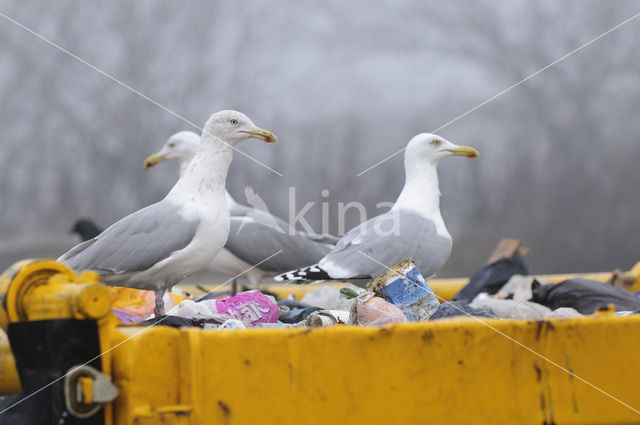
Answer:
(303, 275)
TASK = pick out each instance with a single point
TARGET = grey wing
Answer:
(136, 242)
(384, 241)
(255, 242)
(327, 238)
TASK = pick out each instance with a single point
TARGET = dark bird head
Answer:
(86, 229)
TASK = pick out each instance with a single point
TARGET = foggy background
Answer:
(343, 84)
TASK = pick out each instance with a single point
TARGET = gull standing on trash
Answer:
(412, 228)
(255, 233)
(158, 246)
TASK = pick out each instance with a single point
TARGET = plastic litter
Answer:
(277, 325)
(348, 293)
(323, 297)
(492, 277)
(297, 315)
(233, 324)
(369, 310)
(172, 321)
(251, 307)
(194, 310)
(292, 302)
(457, 308)
(565, 312)
(344, 303)
(404, 286)
(328, 298)
(141, 302)
(511, 309)
(517, 288)
(586, 296)
(127, 318)
(323, 318)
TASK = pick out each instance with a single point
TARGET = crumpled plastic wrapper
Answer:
(369, 310)
(140, 302)
(517, 288)
(251, 307)
(329, 298)
(565, 312)
(511, 309)
(323, 318)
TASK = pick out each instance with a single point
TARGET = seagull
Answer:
(158, 246)
(255, 232)
(413, 227)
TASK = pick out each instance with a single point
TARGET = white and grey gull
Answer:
(158, 246)
(413, 227)
(255, 233)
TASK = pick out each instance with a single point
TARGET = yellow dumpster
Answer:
(463, 370)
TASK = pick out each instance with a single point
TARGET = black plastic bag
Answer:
(492, 277)
(586, 296)
(172, 321)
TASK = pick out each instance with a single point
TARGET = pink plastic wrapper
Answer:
(251, 307)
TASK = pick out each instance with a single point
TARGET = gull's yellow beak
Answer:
(464, 151)
(261, 134)
(153, 160)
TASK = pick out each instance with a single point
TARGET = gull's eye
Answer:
(172, 145)
(436, 142)
(233, 121)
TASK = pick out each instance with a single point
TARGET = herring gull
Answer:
(255, 233)
(158, 246)
(413, 227)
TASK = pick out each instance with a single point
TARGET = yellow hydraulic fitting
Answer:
(45, 289)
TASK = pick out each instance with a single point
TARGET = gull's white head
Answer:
(427, 148)
(233, 127)
(180, 147)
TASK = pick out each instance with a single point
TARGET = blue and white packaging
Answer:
(404, 286)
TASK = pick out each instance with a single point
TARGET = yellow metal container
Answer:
(448, 372)
(462, 370)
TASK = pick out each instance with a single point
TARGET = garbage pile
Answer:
(505, 288)
(502, 290)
